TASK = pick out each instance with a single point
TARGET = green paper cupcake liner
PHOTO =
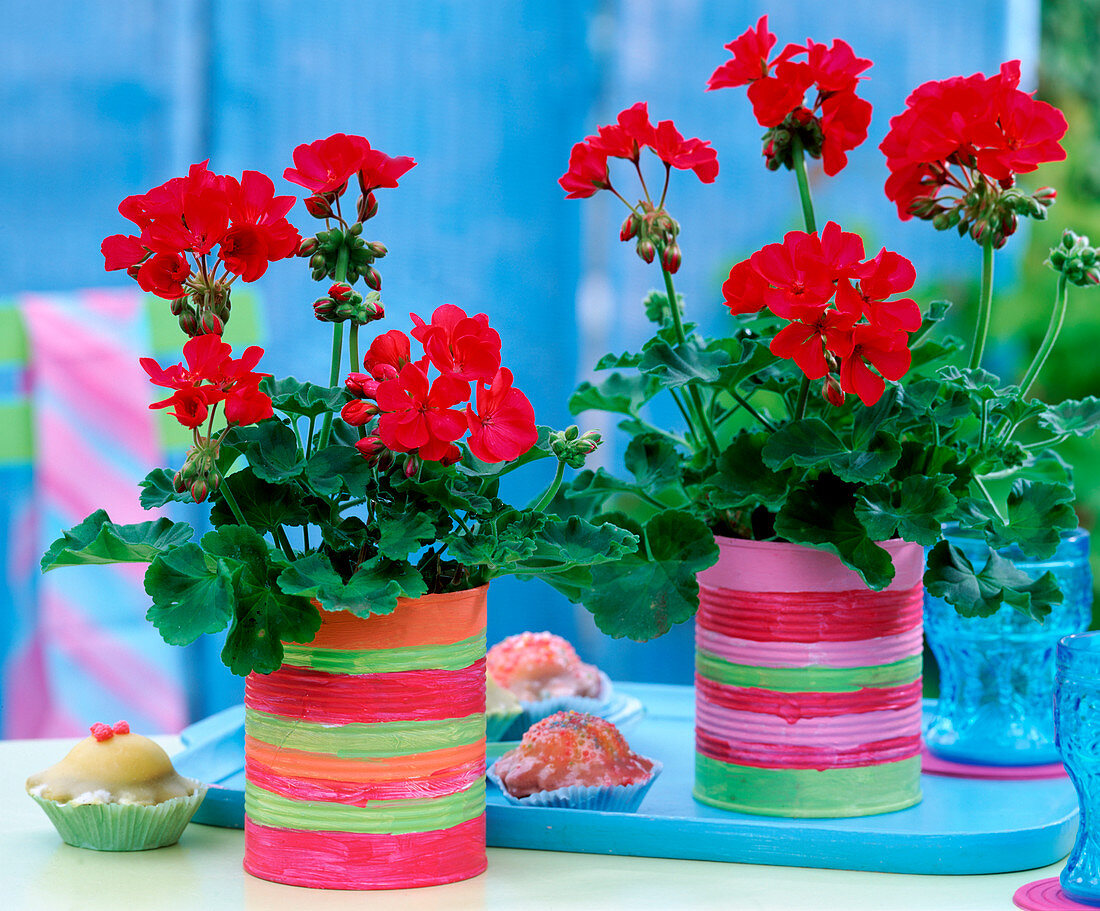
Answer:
(122, 827)
(498, 723)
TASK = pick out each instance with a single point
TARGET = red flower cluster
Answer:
(840, 317)
(212, 375)
(418, 414)
(625, 139)
(983, 125)
(325, 166)
(190, 216)
(778, 88)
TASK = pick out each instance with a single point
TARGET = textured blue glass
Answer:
(997, 672)
(1077, 719)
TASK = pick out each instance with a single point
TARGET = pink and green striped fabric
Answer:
(808, 703)
(365, 751)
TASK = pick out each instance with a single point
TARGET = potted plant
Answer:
(356, 526)
(826, 439)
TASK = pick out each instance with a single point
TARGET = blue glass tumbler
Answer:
(997, 672)
(1077, 722)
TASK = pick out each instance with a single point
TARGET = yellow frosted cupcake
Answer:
(116, 791)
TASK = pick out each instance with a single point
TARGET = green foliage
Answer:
(99, 540)
(951, 576)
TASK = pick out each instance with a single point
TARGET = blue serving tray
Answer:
(962, 826)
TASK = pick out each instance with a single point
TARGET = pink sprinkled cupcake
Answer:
(572, 759)
(538, 666)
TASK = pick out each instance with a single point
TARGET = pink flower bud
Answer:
(308, 246)
(198, 490)
(377, 249)
(212, 325)
(412, 465)
(361, 385)
(324, 308)
(629, 228)
(1045, 196)
(340, 291)
(831, 391)
(367, 207)
(358, 412)
(384, 372)
(319, 206)
(671, 258)
(371, 448)
(646, 250)
(373, 279)
(179, 485)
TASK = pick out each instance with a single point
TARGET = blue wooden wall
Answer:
(103, 99)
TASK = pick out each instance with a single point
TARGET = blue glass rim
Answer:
(1074, 543)
(1079, 656)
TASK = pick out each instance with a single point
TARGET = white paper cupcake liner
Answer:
(122, 827)
(622, 798)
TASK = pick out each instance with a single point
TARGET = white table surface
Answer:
(38, 872)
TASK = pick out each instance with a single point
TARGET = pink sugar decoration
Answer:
(101, 732)
(121, 727)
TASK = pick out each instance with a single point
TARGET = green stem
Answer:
(309, 440)
(798, 155)
(985, 304)
(337, 345)
(744, 403)
(231, 501)
(803, 398)
(692, 391)
(1054, 329)
(687, 418)
(989, 500)
(283, 542)
(551, 491)
(353, 347)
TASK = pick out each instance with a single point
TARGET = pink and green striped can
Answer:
(807, 684)
(365, 751)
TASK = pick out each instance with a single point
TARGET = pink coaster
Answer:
(934, 765)
(1046, 895)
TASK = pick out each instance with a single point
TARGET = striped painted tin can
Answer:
(365, 751)
(807, 684)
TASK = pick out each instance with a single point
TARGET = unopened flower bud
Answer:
(367, 310)
(671, 257)
(177, 305)
(342, 292)
(412, 465)
(198, 490)
(384, 372)
(571, 446)
(629, 228)
(1069, 238)
(361, 385)
(356, 229)
(372, 278)
(646, 249)
(377, 249)
(831, 391)
(211, 324)
(367, 207)
(308, 246)
(1009, 224)
(358, 412)
(326, 310)
(189, 322)
(132, 271)
(371, 448)
(317, 261)
(1057, 258)
(179, 484)
(318, 206)
(1045, 196)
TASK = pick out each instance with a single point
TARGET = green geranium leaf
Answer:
(1038, 513)
(811, 443)
(935, 314)
(306, 399)
(403, 534)
(619, 393)
(752, 358)
(618, 361)
(563, 543)
(1079, 417)
(192, 594)
(915, 511)
(272, 450)
(157, 490)
(372, 589)
(654, 462)
(337, 468)
(263, 619)
(500, 542)
(265, 506)
(741, 479)
(99, 540)
(951, 576)
(677, 365)
(642, 594)
(822, 515)
(979, 384)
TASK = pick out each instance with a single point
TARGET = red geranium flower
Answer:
(744, 289)
(805, 341)
(587, 172)
(503, 427)
(458, 344)
(189, 406)
(378, 171)
(886, 351)
(631, 133)
(163, 275)
(388, 353)
(121, 251)
(887, 274)
(693, 154)
(324, 166)
(415, 413)
(800, 281)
